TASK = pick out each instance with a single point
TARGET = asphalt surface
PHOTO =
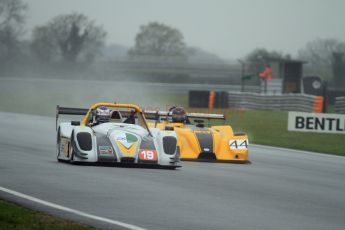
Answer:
(281, 189)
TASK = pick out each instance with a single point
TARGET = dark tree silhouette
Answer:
(258, 58)
(263, 55)
(319, 55)
(156, 39)
(72, 38)
(71, 47)
(12, 18)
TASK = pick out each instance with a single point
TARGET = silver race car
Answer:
(114, 133)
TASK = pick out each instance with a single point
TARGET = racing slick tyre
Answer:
(71, 151)
(58, 147)
(169, 167)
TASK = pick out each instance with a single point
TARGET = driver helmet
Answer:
(177, 115)
(103, 114)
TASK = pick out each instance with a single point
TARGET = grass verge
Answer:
(270, 128)
(13, 217)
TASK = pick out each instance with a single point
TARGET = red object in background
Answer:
(267, 73)
(318, 104)
(211, 97)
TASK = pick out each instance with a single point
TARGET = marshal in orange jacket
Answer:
(267, 73)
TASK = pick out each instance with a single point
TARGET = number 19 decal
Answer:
(238, 144)
(145, 154)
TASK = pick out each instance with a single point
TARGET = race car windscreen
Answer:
(122, 115)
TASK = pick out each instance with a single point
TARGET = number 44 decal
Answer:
(238, 144)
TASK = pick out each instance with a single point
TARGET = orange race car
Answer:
(198, 142)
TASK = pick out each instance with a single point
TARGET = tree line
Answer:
(75, 40)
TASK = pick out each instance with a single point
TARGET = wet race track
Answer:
(281, 189)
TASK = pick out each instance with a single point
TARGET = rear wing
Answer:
(69, 111)
(155, 115)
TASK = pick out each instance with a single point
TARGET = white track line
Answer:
(65, 209)
(298, 151)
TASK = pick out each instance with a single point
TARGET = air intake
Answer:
(84, 141)
(169, 145)
(207, 156)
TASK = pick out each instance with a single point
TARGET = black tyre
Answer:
(58, 143)
(71, 150)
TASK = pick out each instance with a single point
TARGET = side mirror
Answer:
(75, 123)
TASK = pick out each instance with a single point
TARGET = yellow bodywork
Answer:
(226, 145)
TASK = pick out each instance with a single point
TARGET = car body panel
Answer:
(197, 142)
(114, 141)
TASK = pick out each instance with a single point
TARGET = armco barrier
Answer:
(280, 102)
(245, 100)
(339, 105)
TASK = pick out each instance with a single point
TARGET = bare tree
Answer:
(71, 38)
(263, 55)
(320, 51)
(12, 17)
(156, 39)
(319, 55)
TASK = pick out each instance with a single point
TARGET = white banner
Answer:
(316, 122)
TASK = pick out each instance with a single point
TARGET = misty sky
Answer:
(228, 28)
